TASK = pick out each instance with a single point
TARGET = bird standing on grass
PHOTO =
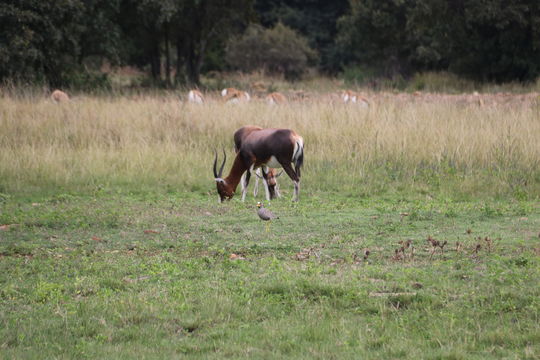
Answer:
(265, 214)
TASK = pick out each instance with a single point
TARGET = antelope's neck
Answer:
(237, 170)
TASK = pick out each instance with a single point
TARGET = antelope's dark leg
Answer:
(248, 161)
(247, 176)
(296, 180)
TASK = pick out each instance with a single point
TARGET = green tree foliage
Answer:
(373, 34)
(201, 25)
(101, 35)
(52, 40)
(144, 24)
(60, 41)
(500, 40)
(489, 40)
(49, 40)
(181, 31)
(314, 19)
(279, 50)
(39, 39)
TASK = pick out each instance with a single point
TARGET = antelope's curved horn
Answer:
(278, 175)
(223, 164)
(215, 163)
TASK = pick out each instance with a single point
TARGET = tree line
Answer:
(63, 42)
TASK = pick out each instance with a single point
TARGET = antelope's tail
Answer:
(299, 156)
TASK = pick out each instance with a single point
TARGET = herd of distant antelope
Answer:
(235, 96)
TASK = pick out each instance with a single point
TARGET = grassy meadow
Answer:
(417, 233)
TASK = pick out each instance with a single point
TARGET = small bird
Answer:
(265, 214)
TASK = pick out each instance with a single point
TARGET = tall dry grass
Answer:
(162, 142)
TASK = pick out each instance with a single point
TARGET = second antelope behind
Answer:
(265, 148)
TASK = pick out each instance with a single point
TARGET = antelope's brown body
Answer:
(59, 96)
(257, 147)
(276, 98)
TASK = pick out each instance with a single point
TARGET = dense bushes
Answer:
(177, 40)
(485, 40)
(279, 50)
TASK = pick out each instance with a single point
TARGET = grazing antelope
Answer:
(269, 179)
(276, 98)
(195, 96)
(262, 149)
(234, 96)
(353, 97)
(59, 96)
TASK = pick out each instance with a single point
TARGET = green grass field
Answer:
(112, 244)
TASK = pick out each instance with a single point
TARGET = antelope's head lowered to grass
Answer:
(270, 177)
(225, 191)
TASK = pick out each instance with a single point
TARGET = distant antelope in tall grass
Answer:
(59, 96)
(349, 96)
(269, 178)
(264, 148)
(276, 98)
(195, 96)
(235, 96)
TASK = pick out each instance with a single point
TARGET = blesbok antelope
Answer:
(59, 96)
(195, 96)
(353, 97)
(235, 96)
(269, 178)
(276, 98)
(274, 148)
